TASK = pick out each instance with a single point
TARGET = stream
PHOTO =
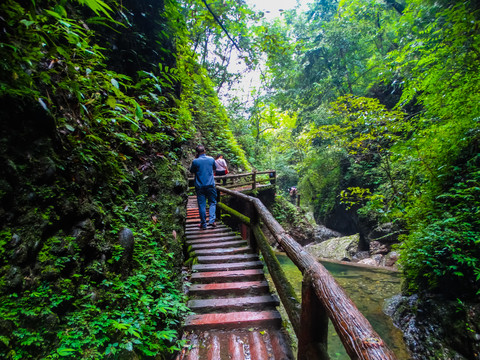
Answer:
(368, 288)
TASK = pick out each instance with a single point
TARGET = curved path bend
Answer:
(235, 314)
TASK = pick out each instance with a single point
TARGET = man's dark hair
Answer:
(200, 149)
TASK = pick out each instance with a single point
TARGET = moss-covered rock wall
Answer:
(99, 108)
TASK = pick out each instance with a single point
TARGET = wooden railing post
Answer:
(284, 289)
(254, 179)
(273, 177)
(313, 336)
(218, 210)
(254, 221)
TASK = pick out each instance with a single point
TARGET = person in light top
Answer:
(222, 168)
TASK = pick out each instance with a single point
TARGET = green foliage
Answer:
(442, 251)
(109, 161)
(210, 40)
(285, 212)
(387, 124)
(97, 313)
(211, 120)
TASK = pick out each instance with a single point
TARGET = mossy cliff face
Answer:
(96, 106)
(90, 262)
(92, 200)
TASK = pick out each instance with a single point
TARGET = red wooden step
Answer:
(237, 344)
(219, 245)
(234, 320)
(210, 231)
(233, 304)
(228, 276)
(193, 220)
(235, 348)
(212, 259)
(224, 251)
(201, 234)
(258, 348)
(228, 266)
(213, 239)
(245, 288)
(195, 229)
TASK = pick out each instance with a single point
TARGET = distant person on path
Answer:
(203, 167)
(293, 194)
(222, 168)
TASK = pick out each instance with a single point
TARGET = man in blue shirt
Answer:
(203, 167)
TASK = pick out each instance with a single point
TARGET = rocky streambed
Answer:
(348, 248)
(433, 327)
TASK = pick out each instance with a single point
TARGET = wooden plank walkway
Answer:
(235, 314)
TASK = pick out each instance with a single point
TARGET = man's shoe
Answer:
(213, 225)
(203, 227)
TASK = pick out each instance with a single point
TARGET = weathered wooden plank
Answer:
(223, 289)
(228, 276)
(228, 266)
(232, 304)
(212, 259)
(234, 320)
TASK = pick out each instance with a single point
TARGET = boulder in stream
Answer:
(340, 248)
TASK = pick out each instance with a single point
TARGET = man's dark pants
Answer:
(204, 193)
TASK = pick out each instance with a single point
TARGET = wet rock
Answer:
(377, 247)
(18, 252)
(361, 255)
(391, 259)
(302, 235)
(84, 232)
(15, 241)
(341, 249)
(19, 255)
(384, 233)
(13, 278)
(126, 240)
(372, 261)
(322, 233)
(435, 327)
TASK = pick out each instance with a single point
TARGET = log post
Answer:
(282, 284)
(254, 221)
(298, 200)
(254, 179)
(273, 177)
(313, 337)
(218, 209)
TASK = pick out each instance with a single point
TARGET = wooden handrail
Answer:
(254, 181)
(357, 335)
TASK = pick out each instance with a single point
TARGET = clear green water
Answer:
(368, 288)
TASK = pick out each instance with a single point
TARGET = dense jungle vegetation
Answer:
(370, 107)
(373, 109)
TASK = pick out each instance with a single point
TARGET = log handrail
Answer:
(356, 333)
(254, 181)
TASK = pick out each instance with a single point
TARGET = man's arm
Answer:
(193, 168)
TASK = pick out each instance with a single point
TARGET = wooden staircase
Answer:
(235, 314)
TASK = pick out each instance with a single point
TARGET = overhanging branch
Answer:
(221, 25)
